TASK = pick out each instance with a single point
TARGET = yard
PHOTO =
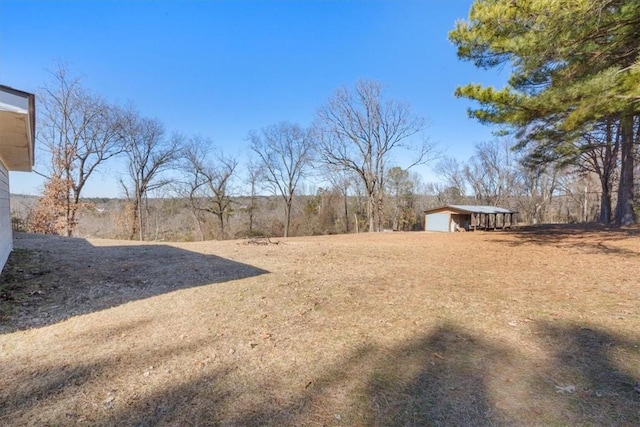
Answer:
(534, 326)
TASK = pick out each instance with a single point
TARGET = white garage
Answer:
(17, 143)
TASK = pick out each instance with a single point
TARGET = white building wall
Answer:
(439, 221)
(6, 238)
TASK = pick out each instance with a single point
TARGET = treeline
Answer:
(172, 218)
(326, 211)
(349, 145)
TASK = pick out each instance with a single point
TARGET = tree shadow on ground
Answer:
(592, 237)
(600, 365)
(43, 385)
(448, 376)
(450, 388)
(59, 277)
(439, 379)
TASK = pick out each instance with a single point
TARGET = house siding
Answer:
(6, 238)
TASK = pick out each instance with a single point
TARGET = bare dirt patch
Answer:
(530, 327)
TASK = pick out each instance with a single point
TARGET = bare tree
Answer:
(496, 176)
(80, 131)
(492, 172)
(593, 148)
(401, 190)
(285, 151)
(359, 131)
(341, 179)
(538, 185)
(254, 173)
(209, 173)
(455, 179)
(600, 155)
(150, 153)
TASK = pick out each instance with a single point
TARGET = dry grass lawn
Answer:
(531, 327)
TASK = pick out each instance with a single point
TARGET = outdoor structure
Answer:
(17, 143)
(451, 218)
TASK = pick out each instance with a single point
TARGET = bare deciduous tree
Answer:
(150, 153)
(285, 151)
(455, 179)
(538, 185)
(497, 177)
(80, 131)
(359, 131)
(342, 179)
(209, 173)
(254, 174)
(401, 189)
(600, 155)
(492, 172)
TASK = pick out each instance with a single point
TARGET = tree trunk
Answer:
(252, 208)
(605, 202)
(371, 208)
(198, 224)
(346, 213)
(624, 207)
(140, 232)
(380, 210)
(287, 220)
(221, 219)
(68, 217)
(134, 220)
(606, 171)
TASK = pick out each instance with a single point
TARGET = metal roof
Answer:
(475, 209)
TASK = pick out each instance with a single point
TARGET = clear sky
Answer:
(223, 68)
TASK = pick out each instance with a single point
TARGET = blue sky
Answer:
(223, 68)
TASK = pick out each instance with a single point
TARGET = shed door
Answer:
(437, 222)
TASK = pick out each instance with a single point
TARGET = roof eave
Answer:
(17, 129)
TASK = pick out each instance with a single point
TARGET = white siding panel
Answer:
(6, 238)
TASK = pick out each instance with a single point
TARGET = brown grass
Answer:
(383, 329)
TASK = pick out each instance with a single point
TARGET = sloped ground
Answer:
(532, 327)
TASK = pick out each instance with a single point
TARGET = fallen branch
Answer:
(262, 241)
